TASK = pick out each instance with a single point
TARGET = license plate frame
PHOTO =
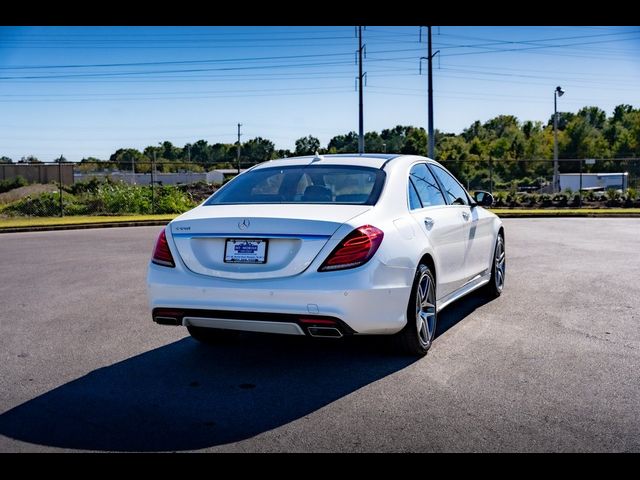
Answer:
(248, 251)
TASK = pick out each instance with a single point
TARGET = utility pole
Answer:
(60, 184)
(360, 99)
(153, 167)
(239, 125)
(432, 143)
(429, 59)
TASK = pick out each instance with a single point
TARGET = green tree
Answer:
(169, 152)
(221, 153)
(563, 120)
(415, 142)
(501, 126)
(128, 158)
(256, 150)
(282, 153)
(29, 159)
(476, 130)
(584, 139)
(307, 145)
(373, 143)
(4, 159)
(344, 143)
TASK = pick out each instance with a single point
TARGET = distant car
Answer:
(328, 246)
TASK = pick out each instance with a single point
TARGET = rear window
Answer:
(303, 184)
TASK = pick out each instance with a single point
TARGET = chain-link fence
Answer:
(594, 183)
(103, 189)
(172, 187)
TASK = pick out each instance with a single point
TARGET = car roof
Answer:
(375, 160)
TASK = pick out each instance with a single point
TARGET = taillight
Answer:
(356, 249)
(161, 253)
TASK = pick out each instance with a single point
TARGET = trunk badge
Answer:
(244, 224)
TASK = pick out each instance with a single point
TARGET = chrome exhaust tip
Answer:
(324, 332)
(167, 321)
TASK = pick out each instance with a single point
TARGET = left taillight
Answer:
(162, 253)
(354, 250)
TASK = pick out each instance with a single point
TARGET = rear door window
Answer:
(426, 186)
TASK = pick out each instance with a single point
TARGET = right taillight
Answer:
(162, 253)
(356, 249)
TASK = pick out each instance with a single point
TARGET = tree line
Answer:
(511, 149)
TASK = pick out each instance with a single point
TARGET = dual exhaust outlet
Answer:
(315, 327)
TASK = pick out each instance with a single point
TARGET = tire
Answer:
(211, 335)
(417, 336)
(498, 269)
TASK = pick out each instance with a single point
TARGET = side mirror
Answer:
(484, 199)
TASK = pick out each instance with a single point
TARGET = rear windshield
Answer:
(303, 184)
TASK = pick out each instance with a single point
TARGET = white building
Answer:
(594, 181)
(214, 177)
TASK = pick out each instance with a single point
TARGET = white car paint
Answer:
(370, 299)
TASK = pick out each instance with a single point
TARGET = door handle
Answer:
(465, 215)
(428, 222)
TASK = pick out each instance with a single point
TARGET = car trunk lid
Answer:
(257, 241)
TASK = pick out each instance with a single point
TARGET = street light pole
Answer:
(431, 140)
(558, 92)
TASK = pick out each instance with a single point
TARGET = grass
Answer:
(564, 212)
(13, 222)
(77, 220)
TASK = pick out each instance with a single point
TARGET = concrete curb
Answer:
(84, 226)
(151, 223)
(568, 215)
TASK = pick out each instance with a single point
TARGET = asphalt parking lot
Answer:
(552, 365)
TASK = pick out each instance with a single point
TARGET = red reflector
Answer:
(319, 321)
(161, 253)
(356, 249)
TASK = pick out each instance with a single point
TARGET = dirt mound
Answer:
(18, 193)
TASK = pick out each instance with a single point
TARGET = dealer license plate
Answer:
(242, 250)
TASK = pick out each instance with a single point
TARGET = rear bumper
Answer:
(371, 299)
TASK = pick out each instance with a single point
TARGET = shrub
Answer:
(12, 183)
(612, 194)
(575, 201)
(545, 200)
(500, 198)
(632, 194)
(512, 199)
(561, 199)
(171, 200)
(46, 205)
(104, 198)
(120, 198)
(91, 185)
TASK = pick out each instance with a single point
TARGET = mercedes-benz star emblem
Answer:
(244, 224)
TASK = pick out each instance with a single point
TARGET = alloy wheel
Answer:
(425, 310)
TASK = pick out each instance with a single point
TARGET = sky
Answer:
(87, 91)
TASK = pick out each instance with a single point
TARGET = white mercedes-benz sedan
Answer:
(328, 246)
